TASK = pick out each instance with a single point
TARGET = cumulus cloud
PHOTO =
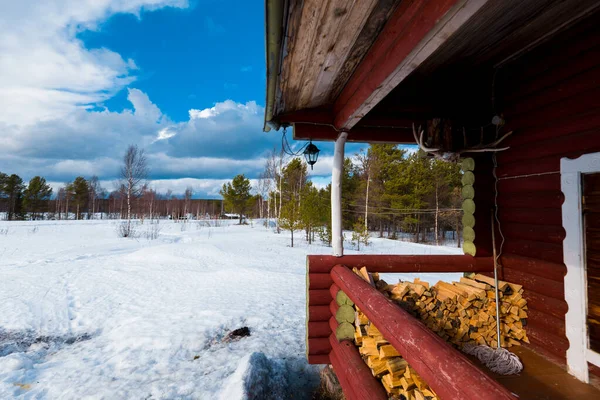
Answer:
(45, 71)
(213, 145)
(52, 122)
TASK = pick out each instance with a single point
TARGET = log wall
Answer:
(550, 99)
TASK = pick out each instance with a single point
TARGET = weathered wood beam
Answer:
(358, 383)
(402, 263)
(317, 132)
(414, 31)
(449, 372)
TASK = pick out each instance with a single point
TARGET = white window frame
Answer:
(579, 353)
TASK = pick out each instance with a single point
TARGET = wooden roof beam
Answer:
(415, 30)
(327, 132)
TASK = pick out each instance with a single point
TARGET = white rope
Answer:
(500, 361)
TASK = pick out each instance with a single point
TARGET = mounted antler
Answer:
(454, 156)
(419, 140)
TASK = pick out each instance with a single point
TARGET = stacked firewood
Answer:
(459, 312)
(465, 311)
(397, 377)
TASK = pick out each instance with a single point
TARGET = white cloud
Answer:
(45, 71)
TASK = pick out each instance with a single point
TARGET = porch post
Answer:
(336, 196)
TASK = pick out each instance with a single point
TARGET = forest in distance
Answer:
(385, 189)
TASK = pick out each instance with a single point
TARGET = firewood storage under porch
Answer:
(382, 342)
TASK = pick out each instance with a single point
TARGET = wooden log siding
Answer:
(402, 263)
(321, 298)
(550, 99)
(449, 373)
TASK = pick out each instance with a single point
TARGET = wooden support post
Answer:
(336, 196)
(449, 372)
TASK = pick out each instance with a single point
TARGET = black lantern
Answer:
(311, 153)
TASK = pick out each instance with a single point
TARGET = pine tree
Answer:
(360, 234)
(13, 191)
(80, 192)
(36, 196)
(310, 211)
(291, 218)
(237, 195)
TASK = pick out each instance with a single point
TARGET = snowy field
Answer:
(85, 314)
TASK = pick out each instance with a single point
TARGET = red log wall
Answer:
(550, 99)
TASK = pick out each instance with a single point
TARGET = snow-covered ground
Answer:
(85, 314)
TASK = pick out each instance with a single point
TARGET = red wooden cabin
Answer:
(367, 70)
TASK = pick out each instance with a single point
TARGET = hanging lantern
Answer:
(311, 154)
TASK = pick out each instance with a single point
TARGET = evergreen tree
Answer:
(237, 195)
(295, 176)
(360, 233)
(310, 211)
(291, 218)
(13, 191)
(350, 185)
(36, 196)
(3, 195)
(80, 192)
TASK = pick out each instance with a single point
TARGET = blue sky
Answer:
(185, 80)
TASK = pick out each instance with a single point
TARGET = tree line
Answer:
(86, 199)
(384, 189)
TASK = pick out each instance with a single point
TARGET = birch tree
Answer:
(133, 174)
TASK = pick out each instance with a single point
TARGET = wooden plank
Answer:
(415, 30)
(531, 183)
(347, 387)
(571, 141)
(371, 29)
(319, 329)
(559, 91)
(319, 281)
(350, 368)
(585, 55)
(318, 346)
(548, 270)
(318, 313)
(584, 102)
(538, 284)
(319, 297)
(528, 248)
(542, 216)
(548, 305)
(449, 373)
(331, 58)
(402, 263)
(318, 359)
(545, 321)
(554, 343)
(538, 233)
(353, 369)
(307, 131)
(300, 44)
(556, 127)
(533, 200)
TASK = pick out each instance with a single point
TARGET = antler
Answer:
(489, 147)
(419, 141)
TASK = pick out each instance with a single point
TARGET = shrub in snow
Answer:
(153, 231)
(126, 229)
